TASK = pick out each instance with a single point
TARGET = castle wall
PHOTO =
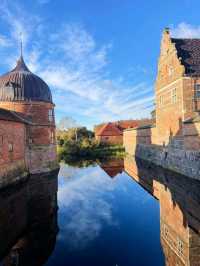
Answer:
(41, 158)
(37, 111)
(12, 151)
(34, 144)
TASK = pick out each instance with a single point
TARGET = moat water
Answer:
(118, 212)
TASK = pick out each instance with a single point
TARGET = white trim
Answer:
(171, 84)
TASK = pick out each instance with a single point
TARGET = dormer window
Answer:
(51, 115)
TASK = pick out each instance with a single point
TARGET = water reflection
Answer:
(28, 221)
(101, 218)
(105, 217)
(179, 199)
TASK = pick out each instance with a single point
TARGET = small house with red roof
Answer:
(110, 134)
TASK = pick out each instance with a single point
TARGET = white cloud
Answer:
(4, 41)
(185, 30)
(76, 67)
(82, 199)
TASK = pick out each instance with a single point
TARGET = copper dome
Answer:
(21, 84)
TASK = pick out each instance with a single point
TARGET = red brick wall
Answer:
(12, 163)
(11, 133)
(40, 154)
(171, 110)
(38, 111)
(118, 140)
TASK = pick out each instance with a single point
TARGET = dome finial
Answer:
(21, 44)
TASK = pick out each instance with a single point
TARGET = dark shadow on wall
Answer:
(179, 200)
(28, 224)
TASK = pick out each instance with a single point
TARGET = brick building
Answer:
(178, 198)
(27, 124)
(112, 132)
(177, 98)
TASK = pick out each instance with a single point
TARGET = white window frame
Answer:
(197, 91)
(10, 147)
(174, 95)
(161, 100)
(51, 115)
(52, 137)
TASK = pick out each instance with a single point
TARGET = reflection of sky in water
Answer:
(105, 221)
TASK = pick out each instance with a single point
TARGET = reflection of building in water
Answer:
(179, 199)
(113, 167)
(28, 224)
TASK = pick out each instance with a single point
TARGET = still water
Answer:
(119, 212)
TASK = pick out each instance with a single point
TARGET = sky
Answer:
(98, 57)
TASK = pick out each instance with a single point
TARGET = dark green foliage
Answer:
(76, 144)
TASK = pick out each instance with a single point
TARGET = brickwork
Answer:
(177, 100)
(27, 127)
(110, 139)
(179, 209)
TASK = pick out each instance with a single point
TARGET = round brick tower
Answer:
(29, 96)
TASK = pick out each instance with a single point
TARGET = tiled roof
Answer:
(109, 129)
(13, 116)
(189, 52)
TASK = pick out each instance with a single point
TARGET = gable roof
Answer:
(109, 129)
(189, 52)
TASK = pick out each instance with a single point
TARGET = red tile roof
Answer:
(13, 116)
(109, 129)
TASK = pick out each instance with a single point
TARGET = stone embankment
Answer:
(181, 161)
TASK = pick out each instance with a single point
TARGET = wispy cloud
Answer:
(76, 67)
(84, 204)
(4, 41)
(185, 30)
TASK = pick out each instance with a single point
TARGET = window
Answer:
(10, 147)
(166, 232)
(51, 115)
(161, 100)
(197, 91)
(1, 140)
(170, 71)
(174, 96)
(52, 137)
(180, 246)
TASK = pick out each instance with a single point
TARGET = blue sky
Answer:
(98, 57)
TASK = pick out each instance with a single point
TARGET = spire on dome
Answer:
(21, 66)
(21, 44)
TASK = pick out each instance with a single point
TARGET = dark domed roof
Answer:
(21, 84)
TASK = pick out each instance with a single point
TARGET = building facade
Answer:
(109, 134)
(177, 98)
(27, 127)
(112, 132)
